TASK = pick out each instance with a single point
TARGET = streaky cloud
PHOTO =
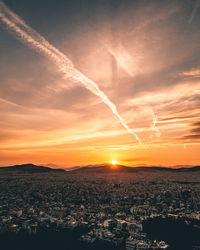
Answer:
(153, 126)
(10, 103)
(196, 6)
(124, 59)
(18, 28)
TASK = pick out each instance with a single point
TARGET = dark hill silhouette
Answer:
(191, 169)
(29, 168)
(118, 168)
(102, 168)
(106, 168)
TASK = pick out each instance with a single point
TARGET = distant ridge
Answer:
(29, 168)
(54, 166)
(120, 168)
(101, 168)
(191, 169)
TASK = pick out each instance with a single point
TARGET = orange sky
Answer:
(145, 59)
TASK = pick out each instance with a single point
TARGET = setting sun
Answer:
(114, 162)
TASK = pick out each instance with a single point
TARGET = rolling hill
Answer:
(106, 168)
(29, 168)
(102, 168)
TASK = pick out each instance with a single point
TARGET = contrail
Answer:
(22, 32)
(153, 126)
(196, 6)
(10, 103)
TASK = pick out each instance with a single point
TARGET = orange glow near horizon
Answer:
(113, 162)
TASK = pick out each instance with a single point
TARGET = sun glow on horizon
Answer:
(113, 162)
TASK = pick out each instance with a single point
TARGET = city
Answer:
(109, 206)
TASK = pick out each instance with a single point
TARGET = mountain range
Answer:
(120, 168)
(29, 168)
(102, 168)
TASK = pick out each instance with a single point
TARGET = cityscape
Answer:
(109, 205)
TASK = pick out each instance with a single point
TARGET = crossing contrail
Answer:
(24, 33)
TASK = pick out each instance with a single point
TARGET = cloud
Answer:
(153, 126)
(178, 119)
(133, 159)
(176, 104)
(124, 59)
(10, 103)
(194, 132)
(33, 39)
(192, 73)
(196, 124)
(192, 136)
(194, 11)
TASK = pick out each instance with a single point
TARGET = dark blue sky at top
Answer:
(56, 18)
(68, 25)
(68, 19)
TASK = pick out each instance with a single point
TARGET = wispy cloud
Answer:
(10, 103)
(124, 59)
(192, 73)
(33, 39)
(194, 11)
(153, 126)
(194, 132)
(178, 119)
(136, 159)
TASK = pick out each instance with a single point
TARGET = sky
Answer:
(92, 81)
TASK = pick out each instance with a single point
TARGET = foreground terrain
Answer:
(106, 209)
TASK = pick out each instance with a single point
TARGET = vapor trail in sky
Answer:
(10, 103)
(196, 6)
(153, 126)
(17, 27)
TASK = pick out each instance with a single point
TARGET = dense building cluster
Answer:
(111, 206)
